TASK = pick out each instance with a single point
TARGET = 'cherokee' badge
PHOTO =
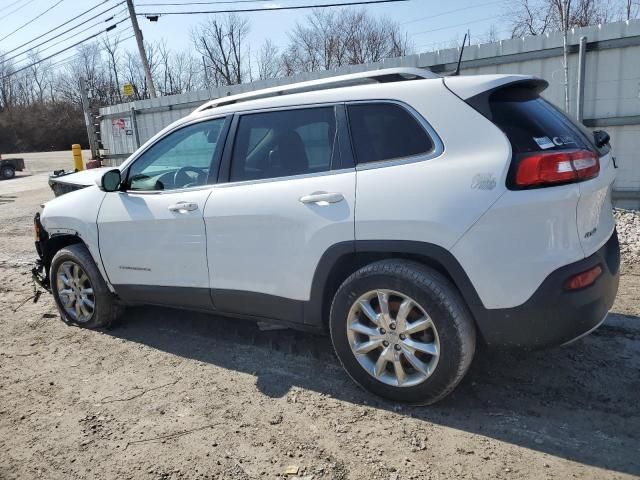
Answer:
(483, 181)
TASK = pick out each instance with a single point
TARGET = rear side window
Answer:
(385, 131)
(283, 143)
(532, 124)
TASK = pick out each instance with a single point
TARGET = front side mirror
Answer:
(110, 181)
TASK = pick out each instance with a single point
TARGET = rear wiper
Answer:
(601, 138)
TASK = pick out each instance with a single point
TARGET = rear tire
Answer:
(7, 172)
(80, 292)
(417, 352)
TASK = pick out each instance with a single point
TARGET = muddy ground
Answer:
(170, 394)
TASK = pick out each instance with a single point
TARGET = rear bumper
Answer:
(554, 316)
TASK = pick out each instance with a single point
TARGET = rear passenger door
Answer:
(286, 193)
(398, 190)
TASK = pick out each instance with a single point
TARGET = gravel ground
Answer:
(628, 223)
(178, 395)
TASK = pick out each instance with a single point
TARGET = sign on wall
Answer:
(120, 126)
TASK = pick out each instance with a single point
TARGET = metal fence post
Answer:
(582, 56)
(134, 125)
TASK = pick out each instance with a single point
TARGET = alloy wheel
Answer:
(75, 292)
(393, 338)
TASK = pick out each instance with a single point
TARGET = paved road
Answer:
(38, 167)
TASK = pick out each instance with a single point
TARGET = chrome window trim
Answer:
(280, 179)
(176, 190)
(436, 151)
(297, 106)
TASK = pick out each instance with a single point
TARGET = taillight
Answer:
(550, 168)
(583, 279)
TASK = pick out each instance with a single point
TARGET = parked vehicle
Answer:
(9, 166)
(407, 214)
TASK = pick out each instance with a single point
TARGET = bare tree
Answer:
(177, 71)
(534, 17)
(221, 42)
(268, 61)
(111, 47)
(491, 35)
(631, 9)
(328, 40)
(529, 17)
(38, 73)
(7, 84)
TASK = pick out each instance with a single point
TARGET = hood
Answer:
(83, 178)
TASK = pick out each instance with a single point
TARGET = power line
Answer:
(75, 56)
(452, 11)
(274, 9)
(199, 3)
(32, 20)
(442, 44)
(65, 23)
(9, 6)
(453, 26)
(80, 32)
(91, 37)
(63, 33)
(19, 8)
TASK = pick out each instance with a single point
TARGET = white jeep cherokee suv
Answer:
(409, 215)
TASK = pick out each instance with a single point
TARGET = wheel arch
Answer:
(343, 259)
(55, 243)
(52, 244)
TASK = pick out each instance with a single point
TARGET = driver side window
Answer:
(182, 159)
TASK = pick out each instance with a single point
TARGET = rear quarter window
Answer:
(385, 131)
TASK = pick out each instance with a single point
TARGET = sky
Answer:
(430, 24)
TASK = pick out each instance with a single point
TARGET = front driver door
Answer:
(152, 234)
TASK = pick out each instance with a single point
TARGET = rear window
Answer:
(532, 124)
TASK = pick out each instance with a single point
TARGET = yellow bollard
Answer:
(77, 157)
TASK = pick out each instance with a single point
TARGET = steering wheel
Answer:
(184, 180)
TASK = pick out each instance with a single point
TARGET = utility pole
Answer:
(91, 133)
(143, 54)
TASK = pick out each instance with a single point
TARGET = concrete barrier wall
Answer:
(611, 85)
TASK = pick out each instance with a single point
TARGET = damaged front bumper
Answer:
(40, 275)
(40, 271)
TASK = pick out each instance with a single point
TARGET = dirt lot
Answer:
(169, 394)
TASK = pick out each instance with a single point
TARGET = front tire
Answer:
(80, 292)
(402, 331)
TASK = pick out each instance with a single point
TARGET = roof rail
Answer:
(361, 78)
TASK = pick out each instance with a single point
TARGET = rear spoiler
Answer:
(477, 89)
(469, 86)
